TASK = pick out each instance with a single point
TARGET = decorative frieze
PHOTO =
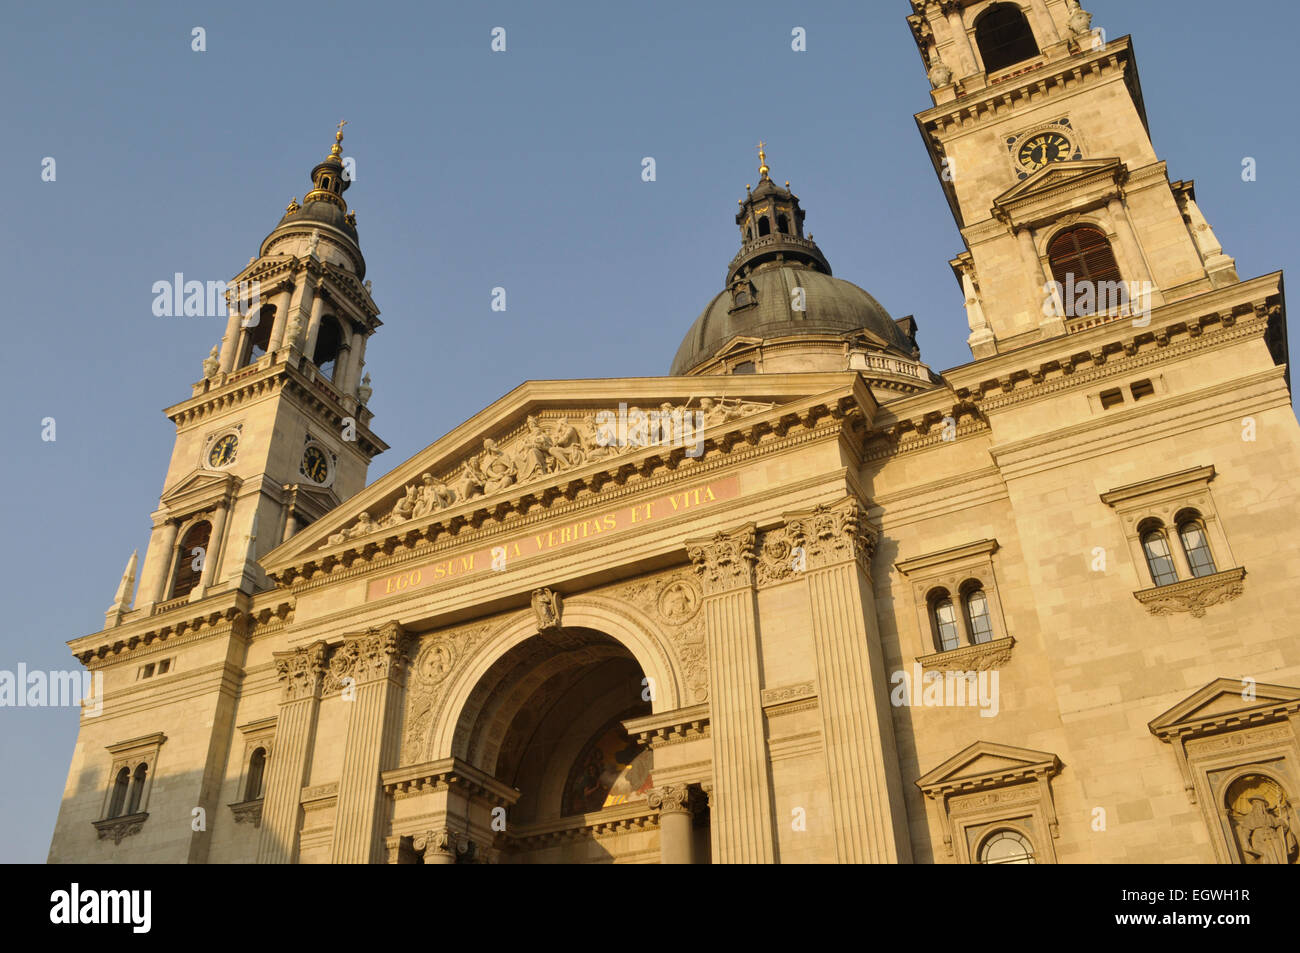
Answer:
(1193, 595)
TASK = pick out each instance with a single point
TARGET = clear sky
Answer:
(475, 169)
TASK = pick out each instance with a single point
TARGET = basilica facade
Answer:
(802, 599)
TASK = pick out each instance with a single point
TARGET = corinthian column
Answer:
(742, 815)
(301, 672)
(866, 794)
(676, 822)
(369, 669)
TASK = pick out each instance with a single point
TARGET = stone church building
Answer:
(802, 599)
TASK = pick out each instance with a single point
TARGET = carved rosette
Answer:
(726, 561)
(302, 671)
(777, 559)
(430, 675)
(671, 799)
(830, 535)
(377, 654)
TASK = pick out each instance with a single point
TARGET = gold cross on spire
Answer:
(762, 160)
(336, 149)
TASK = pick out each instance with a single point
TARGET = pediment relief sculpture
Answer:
(547, 448)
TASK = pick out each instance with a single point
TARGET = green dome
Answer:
(833, 306)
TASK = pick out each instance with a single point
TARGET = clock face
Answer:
(223, 451)
(315, 465)
(1043, 148)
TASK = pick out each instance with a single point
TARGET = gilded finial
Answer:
(293, 205)
(337, 148)
(762, 161)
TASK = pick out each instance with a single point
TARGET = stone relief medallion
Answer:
(679, 601)
(435, 662)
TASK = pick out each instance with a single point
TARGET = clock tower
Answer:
(1039, 134)
(277, 432)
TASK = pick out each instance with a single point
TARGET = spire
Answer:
(328, 179)
(125, 592)
(762, 162)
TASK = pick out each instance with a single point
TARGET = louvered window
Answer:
(1004, 37)
(189, 563)
(1084, 267)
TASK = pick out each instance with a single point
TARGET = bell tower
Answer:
(1039, 135)
(277, 432)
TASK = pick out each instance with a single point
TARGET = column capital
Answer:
(726, 560)
(440, 845)
(672, 799)
(373, 655)
(832, 534)
(301, 671)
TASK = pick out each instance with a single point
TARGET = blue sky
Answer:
(474, 170)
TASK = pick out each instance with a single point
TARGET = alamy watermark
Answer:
(55, 689)
(666, 427)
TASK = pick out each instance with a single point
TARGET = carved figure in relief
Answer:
(498, 470)
(1262, 818)
(433, 495)
(543, 450)
(471, 481)
(546, 604)
(566, 446)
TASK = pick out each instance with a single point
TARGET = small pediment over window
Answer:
(1226, 703)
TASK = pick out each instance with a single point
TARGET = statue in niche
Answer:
(313, 242)
(546, 604)
(1263, 819)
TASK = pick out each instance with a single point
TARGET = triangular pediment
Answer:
(543, 440)
(199, 487)
(1057, 174)
(985, 763)
(1223, 703)
(741, 342)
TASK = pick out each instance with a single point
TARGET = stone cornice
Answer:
(623, 819)
(670, 727)
(447, 773)
(957, 553)
(1159, 484)
(262, 380)
(999, 100)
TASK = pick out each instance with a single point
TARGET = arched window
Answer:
(117, 803)
(257, 337)
(783, 225)
(943, 618)
(256, 769)
(749, 234)
(137, 788)
(764, 226)
(978, 620)
(1007, 847)
(329, 342)
(1083, 264)
(1159, 560)
(189, 564)
(1191, 533)
(1004, 37)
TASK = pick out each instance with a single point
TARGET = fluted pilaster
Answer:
(742, 797)
(302, 673)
